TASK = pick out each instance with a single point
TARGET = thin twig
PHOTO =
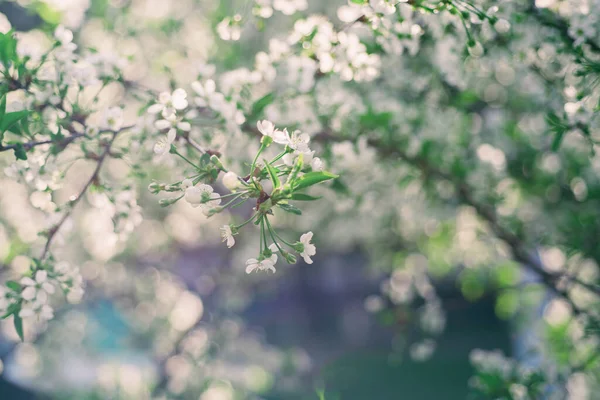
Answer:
(93, 178)
(30, 145)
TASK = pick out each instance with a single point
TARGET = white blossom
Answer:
(203, 196)
(112, 118)
(309, 249)
(229, 28)
(227, 235)
(231, 181)
(267, 264)
(267, 128)
(163, 145)
(37, 289)
(169, 103)
(289, 7)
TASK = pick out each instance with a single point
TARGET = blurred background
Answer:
(389, 310)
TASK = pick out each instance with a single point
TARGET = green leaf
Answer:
(2, 112)
(20, 152)
(273, 175)
(9, 119)
(558, 137)
(48, 14)
(8, 48)
(2, 107)
(374, 120)
(18, 321)
(204, 160)
(312, 178)
(303, 197)
(14, 286)
(14, 308)
(290, 208)
(558, 128)
(262, 103)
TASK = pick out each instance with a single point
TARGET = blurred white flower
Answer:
(37, 289)
(230, 29)
(227, 235)
(163, 145)
(289, 7)
(112, 118)
(169, 103)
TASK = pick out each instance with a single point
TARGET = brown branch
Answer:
(93, 179)
(30, 145)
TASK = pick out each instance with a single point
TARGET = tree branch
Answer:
(30, 145)
(93, 178)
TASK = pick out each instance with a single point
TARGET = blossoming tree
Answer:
(447, 139)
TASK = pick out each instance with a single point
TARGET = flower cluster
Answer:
(271, 183)
(30, 296)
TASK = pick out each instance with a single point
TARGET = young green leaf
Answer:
(273, 175)
(13, 285)
(290, 208)
(2, 107)
(18, 321)
(303, 197)
(20, 152)
(8, 48)
(261, 104)
(204, 160)
(9, 119)
(312, 178)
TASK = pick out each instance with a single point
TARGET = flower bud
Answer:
(168, 202)
(502, 26)
(475, 49)
(215, 160)
(231, 181)
(290, 258)
(155, 187)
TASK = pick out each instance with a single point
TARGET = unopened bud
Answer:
(168, 202)
(217, 162)
(231, 181)
(155, 187)
(290, 258)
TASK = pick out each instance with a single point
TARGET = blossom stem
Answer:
(184, 158)
(246, 222)
(283, 240)
(260, 150)
(273, 236)
(279, 157)
(263, 236)
(234, 199)
(234, 194)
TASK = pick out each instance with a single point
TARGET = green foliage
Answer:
(290, 208)
(312, 178)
